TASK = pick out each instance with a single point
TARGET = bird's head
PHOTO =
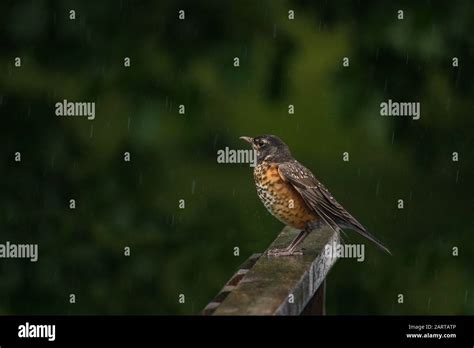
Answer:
(269, 148)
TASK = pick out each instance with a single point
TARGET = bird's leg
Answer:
(290, 249)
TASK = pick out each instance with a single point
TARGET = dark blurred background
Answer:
(190, 251)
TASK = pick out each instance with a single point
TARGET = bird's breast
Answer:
(280, 198)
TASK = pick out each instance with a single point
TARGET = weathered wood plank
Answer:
(231, 284)
(317, 305)
(266, 287)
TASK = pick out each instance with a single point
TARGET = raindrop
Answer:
(128, 125)
(465, 296)
(429, 304)
(274, 30)
(377, 189)
(193, 186)
(457, 176)
(393, 137)
(92, 131)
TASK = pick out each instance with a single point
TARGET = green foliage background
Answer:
(189, 62)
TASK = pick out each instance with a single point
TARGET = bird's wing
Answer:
(320, 200)
(312, 191)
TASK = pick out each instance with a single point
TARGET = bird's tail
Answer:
(363, 232)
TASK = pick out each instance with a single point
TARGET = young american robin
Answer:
(292, 194)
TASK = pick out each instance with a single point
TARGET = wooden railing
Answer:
(268, 285)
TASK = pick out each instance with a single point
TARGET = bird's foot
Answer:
(284, 252)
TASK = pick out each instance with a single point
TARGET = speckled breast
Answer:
(280, 198)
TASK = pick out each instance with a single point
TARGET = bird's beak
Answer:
(247, 139)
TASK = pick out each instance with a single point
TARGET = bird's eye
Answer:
(260, 142)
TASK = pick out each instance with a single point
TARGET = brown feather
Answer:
(320, 200)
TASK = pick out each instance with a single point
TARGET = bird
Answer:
(292, 194)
